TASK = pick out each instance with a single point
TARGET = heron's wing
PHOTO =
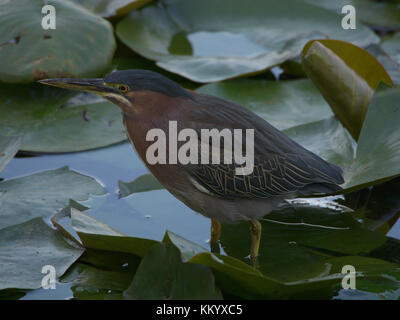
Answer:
(281, 166)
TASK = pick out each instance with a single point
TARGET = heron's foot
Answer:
(255, 229)
(215, 235)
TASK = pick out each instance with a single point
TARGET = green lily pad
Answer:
(347, 76)
(306, 236)
(100, 274)
(300, 257)
(82, 45)
(86, 276)
(373, 275)
(97, 235)
(163, 275)
(26, 248)
(187, 248)
(391, 45)
(392, 67)
(54, 120)
(371, 12)
(107, 8)
(378, 150)
(239, 279)
(210, 41)
(8, 148)
(143, 183)
(284, 104)
(42, 194)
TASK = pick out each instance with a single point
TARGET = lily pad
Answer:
(42, 194)
(143, 183)
(391, 45)
(97, 235)
(347, 76)
(391, 66)
(305, 236)
(107, 8)
(81, 45)
(300, 257)
(284, 104)
(100, 274)
(373, 275)
(187, 248)
(378, 150)
(53, 120)
(371, 12)
(210, 41)
(8, 148)
(162, 275)
(26, 248)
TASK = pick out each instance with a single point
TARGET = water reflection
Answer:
(214, 44)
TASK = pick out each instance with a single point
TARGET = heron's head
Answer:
(128, 89)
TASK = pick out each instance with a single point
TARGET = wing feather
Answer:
(281, 166)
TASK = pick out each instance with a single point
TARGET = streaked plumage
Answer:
(282, 167)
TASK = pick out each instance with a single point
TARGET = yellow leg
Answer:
(255, 229)
(215, 231)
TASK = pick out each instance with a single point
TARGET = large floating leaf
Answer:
(163, 275)
(143, 183)
(374, 275)
(100, 274)
(42, 194)
(97, 235)
(391, 66)
(300, 257)
(8, 148)
(210, 41)
(392, 46)
(284, 104)
(187, 248)
(26, 248)
(371, 12)
(347, 77)
(111, 8)
(305, 236)
(378, 149)
(51, 121)
(82, 45)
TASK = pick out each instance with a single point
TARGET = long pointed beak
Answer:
(96, 86)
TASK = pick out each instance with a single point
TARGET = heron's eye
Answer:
(123, 88)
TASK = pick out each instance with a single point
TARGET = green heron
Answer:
(282, 169)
